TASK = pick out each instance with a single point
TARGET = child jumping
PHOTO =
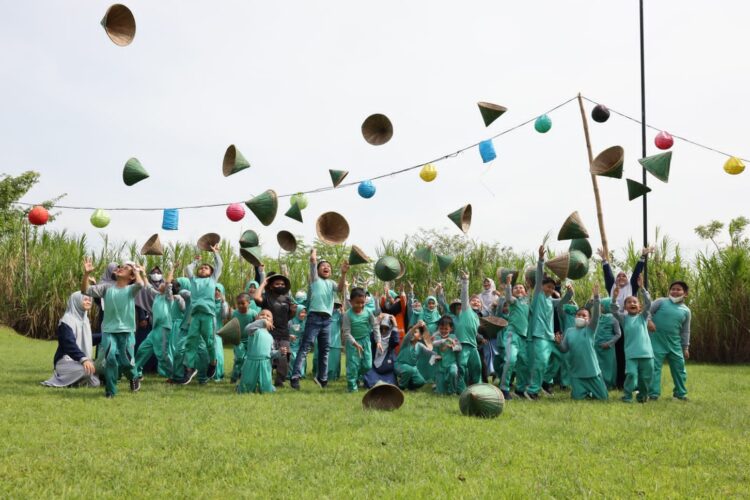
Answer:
(671, 340)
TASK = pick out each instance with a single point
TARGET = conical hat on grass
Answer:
(230, 333)
(462, 217)
(337, 176)
(249, 239)
(444, 262)
(481, 400)
(658, 165)
(208, 240)
(294, 212)
(119, 24)
(582, 245)
(287, 241)
(387, 268)
(332, 228)
(377, 129)
(152, 246)
(253, 255)
(609, 162)
(357, 256)
(233, 161)
(573, 228)
(133, 172)
(490, 112)
(383, 396)
(264, 206)
(636, 189)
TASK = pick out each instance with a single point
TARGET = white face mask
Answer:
(676, 300)
(581, 322)
(156, 277)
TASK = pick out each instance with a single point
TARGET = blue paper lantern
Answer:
(170, 219)
(543, 124)
(487, 150)
(366, 189)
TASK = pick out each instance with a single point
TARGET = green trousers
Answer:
(512, 344)
(156, 344)
(177, 348)
(409, 377)
(425, 368)
(201, 330)
(608, 365)
(469, 367)
(239, 358)
(638, 372)
(219, 350)
(538, 358)
(557, 367)
(592, 387)
(334, 364)
(446, 379)
(672, 352)
(357, 365)
(256, 376)
(119, 359)
(523, 363)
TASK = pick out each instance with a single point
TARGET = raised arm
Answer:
(341, 285)
(646, 311)
(218, 263)
(88, 267)
(256, 325)
(509, 298)
(595, 310)
(539, 274)
(313, 265)
(560, 303)
(609, 278)
(190, 268)
(464, 291)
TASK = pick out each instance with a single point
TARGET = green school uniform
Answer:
(356, 327)
(221, 309)
(607, 334)
(239, 350)
(297, 328)
(447, 373)
(181, 321)
(585, 376)
(469, 362)
(557, 367)
(408, 374)
(157, 341)
(515, 342)
(639, 355)
(199, 343)
(256, 370)
(671, 338)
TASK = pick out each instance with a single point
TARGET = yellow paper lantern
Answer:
(428, 173)
(734, 166)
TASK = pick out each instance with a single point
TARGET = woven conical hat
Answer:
(502, 275)
(490, 112)
(387, 268)
(582, 245)
(249, 239)
(401, 271)
(332, 228)
(133, 172)
(294, 212)
(658, 165)
(357, 256)
(424, 254)
(287, 241)
(264, 206)
(119, 24)
(573, 228)
(609, 162)
(444, 261)
(383, 396)
(491, 325)
(559, 265)
(578, 265)
(462, 218)
(230, 333)
(377, 129)
(253, 255)
(337, 176)
(636, 189)
(208, 240)
(233, 161)
(152, 246)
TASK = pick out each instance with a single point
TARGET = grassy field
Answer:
(207, 441)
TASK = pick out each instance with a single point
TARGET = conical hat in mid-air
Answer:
(462, 218)
(636, 189)
(387, 268)
(332, 228)
(294, 212)
(444, 262)
(337, 176)
(230, 333)
(286, 241)
(233, 161)
(357, 256)
(152, 246)
(119, 24)
(264, 206)
(424, 254)
(253, 255)
(609, 162)
(491, 325)
(249, 239)
(133, 172)
(582, 245)
(502, 276)
(208, 240)
(383, 396)
(490, 112)
(573, 228)
(377, 129)
(658, 165)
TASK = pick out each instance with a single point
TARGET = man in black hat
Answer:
(273, 295)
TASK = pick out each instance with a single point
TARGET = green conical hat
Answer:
(582, 245)
(387, 268)
(572, 228)
(502, 275)
(444, 261)
(658, 165)
(424, 254)
(337, 176)
(383, 396)
(294, 212)
(609, 162)
(578, 266)
(490, 112)
(254, 255)
(233, 161)
(264, 206)
(357, 256)
(481, 400)
(462, 218)
(286, 241)
(230, 333)
(636, 189)
(249, 239)
(133, 172)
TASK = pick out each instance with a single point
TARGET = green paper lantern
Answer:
(100, 218)
(543, 124)
(133, 172)
(300, 200)
(387, 268)
(481, 400)
(264, 206)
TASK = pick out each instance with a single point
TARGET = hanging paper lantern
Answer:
(366, 189)
(428, 173)
(543, 124)
(487, 150)
(235, 212)
(38, 215)
(663, 140)
(100, 218)
(170, 219)
(600, 113)
(734, 166)
(300, 199)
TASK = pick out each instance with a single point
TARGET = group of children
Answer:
(510, 335)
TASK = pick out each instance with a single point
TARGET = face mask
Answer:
(156, 277)
(581, 322)
(676, 300)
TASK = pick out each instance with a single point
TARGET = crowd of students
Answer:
(525, 337)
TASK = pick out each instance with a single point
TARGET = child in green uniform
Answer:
(256, 369)
(357, 323)
(245, 316)
(607, 334)
(578, 341)
(515, 339)
(671, 340)
(557, 367)
(119, 321)
(447, 347)
(180, 321)
(639, 355)
(221, 310)
(469, 363)
(409, 376)
(199, 346)
(157, 341)
(541, 327)
(296, 329)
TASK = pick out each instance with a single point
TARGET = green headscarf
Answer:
(430, 317)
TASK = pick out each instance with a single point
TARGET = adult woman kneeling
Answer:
(74, 365)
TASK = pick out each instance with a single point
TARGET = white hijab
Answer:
(77, 318)
(487, 296)
(625, 291)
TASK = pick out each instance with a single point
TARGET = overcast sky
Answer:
(291, 82)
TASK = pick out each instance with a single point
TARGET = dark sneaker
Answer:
(190, 374)
(653, 398)
(506, 394)
(680, 398)
(320, 383)
(547, 389)
(295, 384)
(232, 380)
(109, 395)
(135, 385)
(626, 400)
(520, 394)
(211, 371)
(531, 397)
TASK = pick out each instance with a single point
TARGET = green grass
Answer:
(207, 441)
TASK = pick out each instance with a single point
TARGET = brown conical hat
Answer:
(337, 176)
(636, 189)
(503, 273)
(294, 212)
(490, 112)
(332, 228)
(383, 396)
(233, 161)
(491, 325)
(357, 256)
(253, 255)
(559, 265)
(609, 162)
(573, 228)
(208, 240)
(462, 218)
(264, 206)
(152, 246)
(377, 129)
(119, 24)
(230, 333)
(287, 241)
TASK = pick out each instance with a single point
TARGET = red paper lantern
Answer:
(235, 212)
(663, 140)
(38, 215)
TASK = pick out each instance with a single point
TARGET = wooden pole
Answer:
(599, 215)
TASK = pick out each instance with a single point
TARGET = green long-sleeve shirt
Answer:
(635, 329)
(672, 322)
(579, 344)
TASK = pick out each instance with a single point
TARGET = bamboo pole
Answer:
(597, 198)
